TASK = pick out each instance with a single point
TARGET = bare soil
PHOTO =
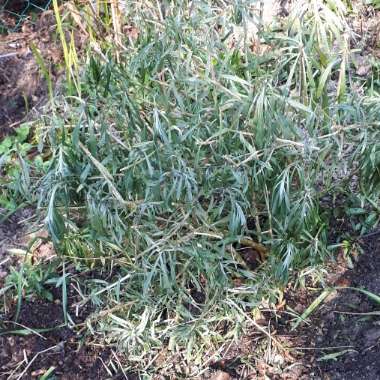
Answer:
(351, 322)
(23, 91)
(57, 346)
(38, 339)
(49, 342)
(339, 341)
(22, 87)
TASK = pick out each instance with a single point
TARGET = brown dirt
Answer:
(346, 321)
(18, 6)
(69, 352)
(58, 347)
(346, 327)
(22, 87)
(22, 92)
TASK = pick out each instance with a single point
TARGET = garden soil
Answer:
(340, 340)
(22, 87)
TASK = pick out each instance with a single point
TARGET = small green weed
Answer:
(20, 165)
(15, 181)
(30, 281)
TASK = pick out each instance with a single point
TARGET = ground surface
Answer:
(59, 347)
(341, 340)
(26, 357)
(56, 346)
(351, 321)
(21, 86)
(344, 333)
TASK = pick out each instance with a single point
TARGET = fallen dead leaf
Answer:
(363, 71)
(131, 31)
(45, 252)
(220, 375)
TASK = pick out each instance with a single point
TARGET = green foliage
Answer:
(374, 3)
(15, 181)
(184, 143)
(19, 166)
(31, 281)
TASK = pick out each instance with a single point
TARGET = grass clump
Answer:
(187, 143)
